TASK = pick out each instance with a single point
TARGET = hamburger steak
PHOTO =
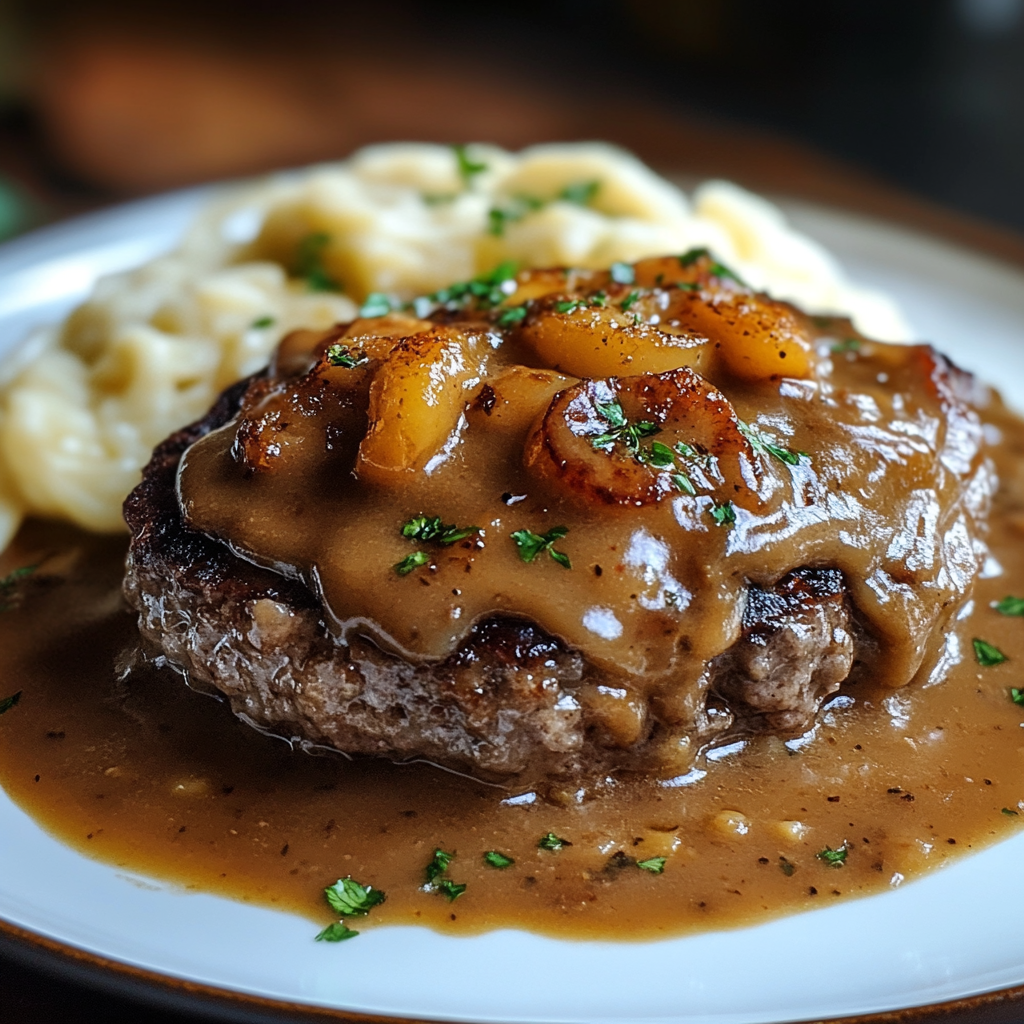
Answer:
(648, 567)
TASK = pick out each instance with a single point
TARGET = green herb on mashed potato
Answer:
(309, 263)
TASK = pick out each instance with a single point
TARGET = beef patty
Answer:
(677, 558)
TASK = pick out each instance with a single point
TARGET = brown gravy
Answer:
(157, 779)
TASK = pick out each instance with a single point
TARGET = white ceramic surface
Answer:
(954, 933)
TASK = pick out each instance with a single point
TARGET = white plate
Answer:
(952, 934)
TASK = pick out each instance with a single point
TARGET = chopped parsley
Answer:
(511, 316)
(487, 290)
(532, 544)
(262, 322)
(724, 514)
(552, 842)
(721, 270)
(410, 562)
(787, 867)
(1009, 813)
(629, 300)
(682, 483)
(309, 263)
(622, 273)
(1010, 606)
(763, 446)
(433, 531)
(656, 865)
(986, 654)
(494, 859)
(376, 304)
(337, 932)
(626, 433)
(9, 585)
(692, 255)
(438, 866)
(1017, 696)
(515, 210)
(581, 193)
(10, 702)
(348, 898)
(340, 355)
(659, 455)
(599, 299)
(847, 345)
(568, 305)
(453, 890)
(833, 858)
(717, 269)
(468, 167)
(435, 883)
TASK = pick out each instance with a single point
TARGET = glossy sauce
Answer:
(156, 779)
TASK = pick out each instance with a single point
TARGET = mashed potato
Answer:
(151, 348)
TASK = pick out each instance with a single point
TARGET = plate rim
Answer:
(80, 965)
(181, 994)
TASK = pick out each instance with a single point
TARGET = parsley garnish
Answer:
(847, 345)
(453, 890)
(512, 315)
(724, 514)
(468, 168)
(765, 447)
(439, 865)
(659, 455)
(628, 434)
(581, 193)
(497, 860)
(490, 289)
(376, 304)
(348, 898)
(9, 702)
(717, 269)
(340, 355)
(986, 654)
(1010, 606)
(531, 544)
(622, 273)
(833, 858)
(1017, 696)
(1009, 813)
(552, 842)
(656, 865)
(337, 932)
(721, 270)
(9, 584)
(682, 482)
(691, 256)
(444, 886)
(433, 531)
(518, 207)
(309, 263)
(630, 299)
(410, 562)
(568, 305)
(262, 322)
(786, 867)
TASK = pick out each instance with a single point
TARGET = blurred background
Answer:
(866, 102)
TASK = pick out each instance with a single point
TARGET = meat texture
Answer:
(506, 701)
